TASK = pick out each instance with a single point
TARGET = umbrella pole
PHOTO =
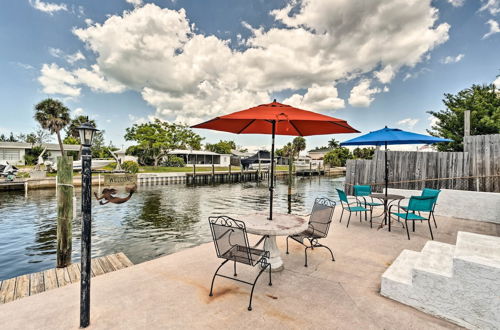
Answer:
(387, 216)
(271, 186)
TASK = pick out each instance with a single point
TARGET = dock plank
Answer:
(96, 268)
(8, 288)
(62, 277)
(31, 284)
(50, 279)
(124, 259)
(116, 262)
(22, 287)
(37, 284)
(107, 267)
(74, 273)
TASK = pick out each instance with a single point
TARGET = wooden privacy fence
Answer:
(477, 168)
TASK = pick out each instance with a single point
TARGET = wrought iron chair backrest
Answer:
(229, 234)
(342, 196)
(360, 190)
(421, 203)
(321, 215)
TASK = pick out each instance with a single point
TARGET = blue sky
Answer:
(374, 63)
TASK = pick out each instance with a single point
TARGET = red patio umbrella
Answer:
(276, 118)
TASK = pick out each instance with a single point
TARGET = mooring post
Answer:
(64, 210)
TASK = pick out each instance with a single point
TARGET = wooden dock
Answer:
(31, 284)
(225, 176)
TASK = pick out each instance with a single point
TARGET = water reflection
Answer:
(158, 220)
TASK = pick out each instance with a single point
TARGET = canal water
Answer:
(156, 221)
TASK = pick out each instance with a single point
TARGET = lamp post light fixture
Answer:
(87, 132)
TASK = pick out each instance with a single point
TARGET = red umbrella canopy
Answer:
(289, 121)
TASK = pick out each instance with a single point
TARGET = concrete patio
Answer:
(172, 291)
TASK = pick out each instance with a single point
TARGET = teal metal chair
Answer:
(428, 192)
(416, 204)
(346, 206)
(364, 191)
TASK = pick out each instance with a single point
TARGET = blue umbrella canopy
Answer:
(392, 136)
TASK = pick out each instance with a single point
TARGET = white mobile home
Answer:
(202, 157)
(14, 152)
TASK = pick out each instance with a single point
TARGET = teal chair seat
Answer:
(409, 216)
(355, 209)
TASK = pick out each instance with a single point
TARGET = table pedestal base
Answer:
(275, 259)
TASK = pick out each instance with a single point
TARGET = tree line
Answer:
(154, 140)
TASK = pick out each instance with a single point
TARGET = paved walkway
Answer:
(172, 292)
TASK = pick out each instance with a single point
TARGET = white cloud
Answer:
(362, 95)
(386, 74)
(56, 80)
(78, 112)
(48, 7)
(492, 6)
(24, 65)
(317, 98)
(183, 74)
(494, 28)
(70, 58)
(453, 59)
(134, 2)
(409, 122)
(456, 3)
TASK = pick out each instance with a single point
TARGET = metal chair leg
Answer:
(287, 244)
(433, 218)
(407, 232)
(371, 217)
(253, 286)
(213, 278)
(270, 271)
(430, 228)
(413, 225)
(349, 220)
(305, 252)
(326, 247)
(341, 214)
(235, 269)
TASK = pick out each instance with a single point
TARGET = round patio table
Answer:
(387, 200)
(281, 225)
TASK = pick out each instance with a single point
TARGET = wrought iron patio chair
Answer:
(416, 204)
(347, 206)
(319, 224)
(364, 192)
(231, 243)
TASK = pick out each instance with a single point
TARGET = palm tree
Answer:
(299, 144)
(333, 144)
(53, 116)
(72, 129)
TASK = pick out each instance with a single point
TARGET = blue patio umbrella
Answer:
(390, 136)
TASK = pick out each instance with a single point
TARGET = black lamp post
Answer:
(87, 132)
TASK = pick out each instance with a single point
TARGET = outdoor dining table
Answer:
(387, 200)
(281, 225)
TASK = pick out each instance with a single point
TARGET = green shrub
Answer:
(130, 166)
(174, 161)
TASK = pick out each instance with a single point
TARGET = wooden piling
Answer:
(64, 209)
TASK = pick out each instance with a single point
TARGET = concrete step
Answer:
(480, 249)
(435, 259)
(397, 279)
